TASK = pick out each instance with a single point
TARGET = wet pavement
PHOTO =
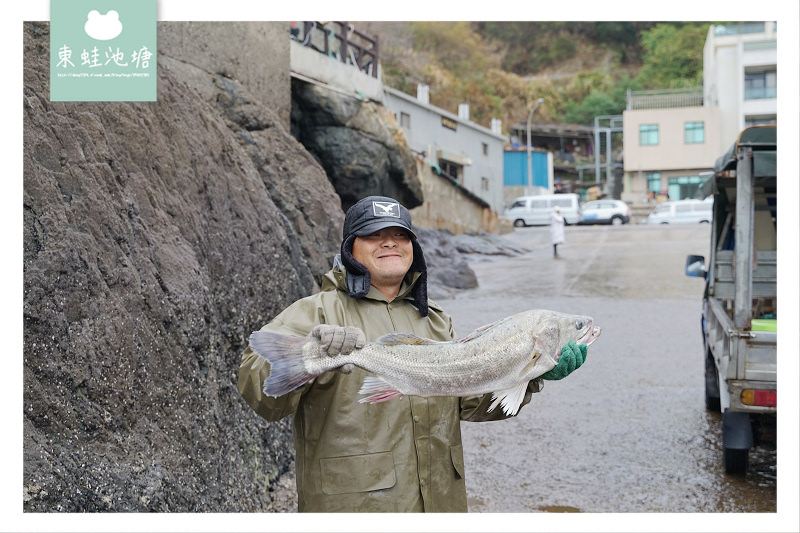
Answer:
(628, 432)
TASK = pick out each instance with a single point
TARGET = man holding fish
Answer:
(376, 382)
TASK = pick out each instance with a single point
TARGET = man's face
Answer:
(387, 253)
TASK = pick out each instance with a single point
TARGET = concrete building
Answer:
(469, 153)
(670, 141)
(673, 137)
(740, 75)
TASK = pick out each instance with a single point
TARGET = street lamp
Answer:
(528, 142)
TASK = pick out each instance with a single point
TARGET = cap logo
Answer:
(386, 209)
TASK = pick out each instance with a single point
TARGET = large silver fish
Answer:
(500, 358)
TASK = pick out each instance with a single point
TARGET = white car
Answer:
(682, 212)
(608, 211)
(535, 210)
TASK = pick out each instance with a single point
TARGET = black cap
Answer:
(374, 213)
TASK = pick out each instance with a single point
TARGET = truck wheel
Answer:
(712, 384)
(735, 460)
(519, 223)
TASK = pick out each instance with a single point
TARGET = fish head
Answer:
(553, 330)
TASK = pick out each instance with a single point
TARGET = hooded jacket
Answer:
(401, 455)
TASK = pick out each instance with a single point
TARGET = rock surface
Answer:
(156, 237)
(358, 143)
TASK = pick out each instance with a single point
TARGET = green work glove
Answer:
(572, 356)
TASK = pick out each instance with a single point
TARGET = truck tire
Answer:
(712, 384)
(736, 460)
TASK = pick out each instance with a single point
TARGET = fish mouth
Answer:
(590, 336)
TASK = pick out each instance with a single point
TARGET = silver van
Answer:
(682, 212)
(535, 210)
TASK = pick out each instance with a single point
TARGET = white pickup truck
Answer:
(740, 303)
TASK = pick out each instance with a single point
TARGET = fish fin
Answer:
(378, 389)
(393, 339)
(285, 356)
(510, 399)
(481, 330)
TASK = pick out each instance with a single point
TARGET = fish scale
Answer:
(499, 358)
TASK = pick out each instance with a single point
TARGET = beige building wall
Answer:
(671, 152)
(672, 156)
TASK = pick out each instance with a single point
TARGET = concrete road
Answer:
(628, 432)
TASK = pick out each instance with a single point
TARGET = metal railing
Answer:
(665, 98)
(340, 41)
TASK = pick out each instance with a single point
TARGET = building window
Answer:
(405, 121)
(484, 184)
(762, 83)
(485, 148)
(648, 134)
(654, 182)
(685, 187)
(451, 170)
(694, 132)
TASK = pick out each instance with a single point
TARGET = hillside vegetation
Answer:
(581, 69)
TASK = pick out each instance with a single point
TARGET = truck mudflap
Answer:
(737, 433)
(737, 439)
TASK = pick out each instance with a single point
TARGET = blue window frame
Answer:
(694, 132)
(654, 182)
(648, 134)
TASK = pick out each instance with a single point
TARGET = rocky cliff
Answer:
(156, 237)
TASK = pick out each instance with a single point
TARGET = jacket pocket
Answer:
(457, 456)
(357, 473)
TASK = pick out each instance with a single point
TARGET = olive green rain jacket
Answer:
(400, 455)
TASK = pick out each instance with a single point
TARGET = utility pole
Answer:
(528, 142)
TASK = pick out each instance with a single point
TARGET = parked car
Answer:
(535, 210)
(608, 211)
(682, 212)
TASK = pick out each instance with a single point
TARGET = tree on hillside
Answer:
(673, 56)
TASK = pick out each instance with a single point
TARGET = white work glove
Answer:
(336, 340)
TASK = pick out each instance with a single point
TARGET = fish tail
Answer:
(285, 356)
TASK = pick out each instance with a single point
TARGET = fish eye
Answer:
(579, 324)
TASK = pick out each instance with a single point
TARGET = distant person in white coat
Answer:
(556, 229)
